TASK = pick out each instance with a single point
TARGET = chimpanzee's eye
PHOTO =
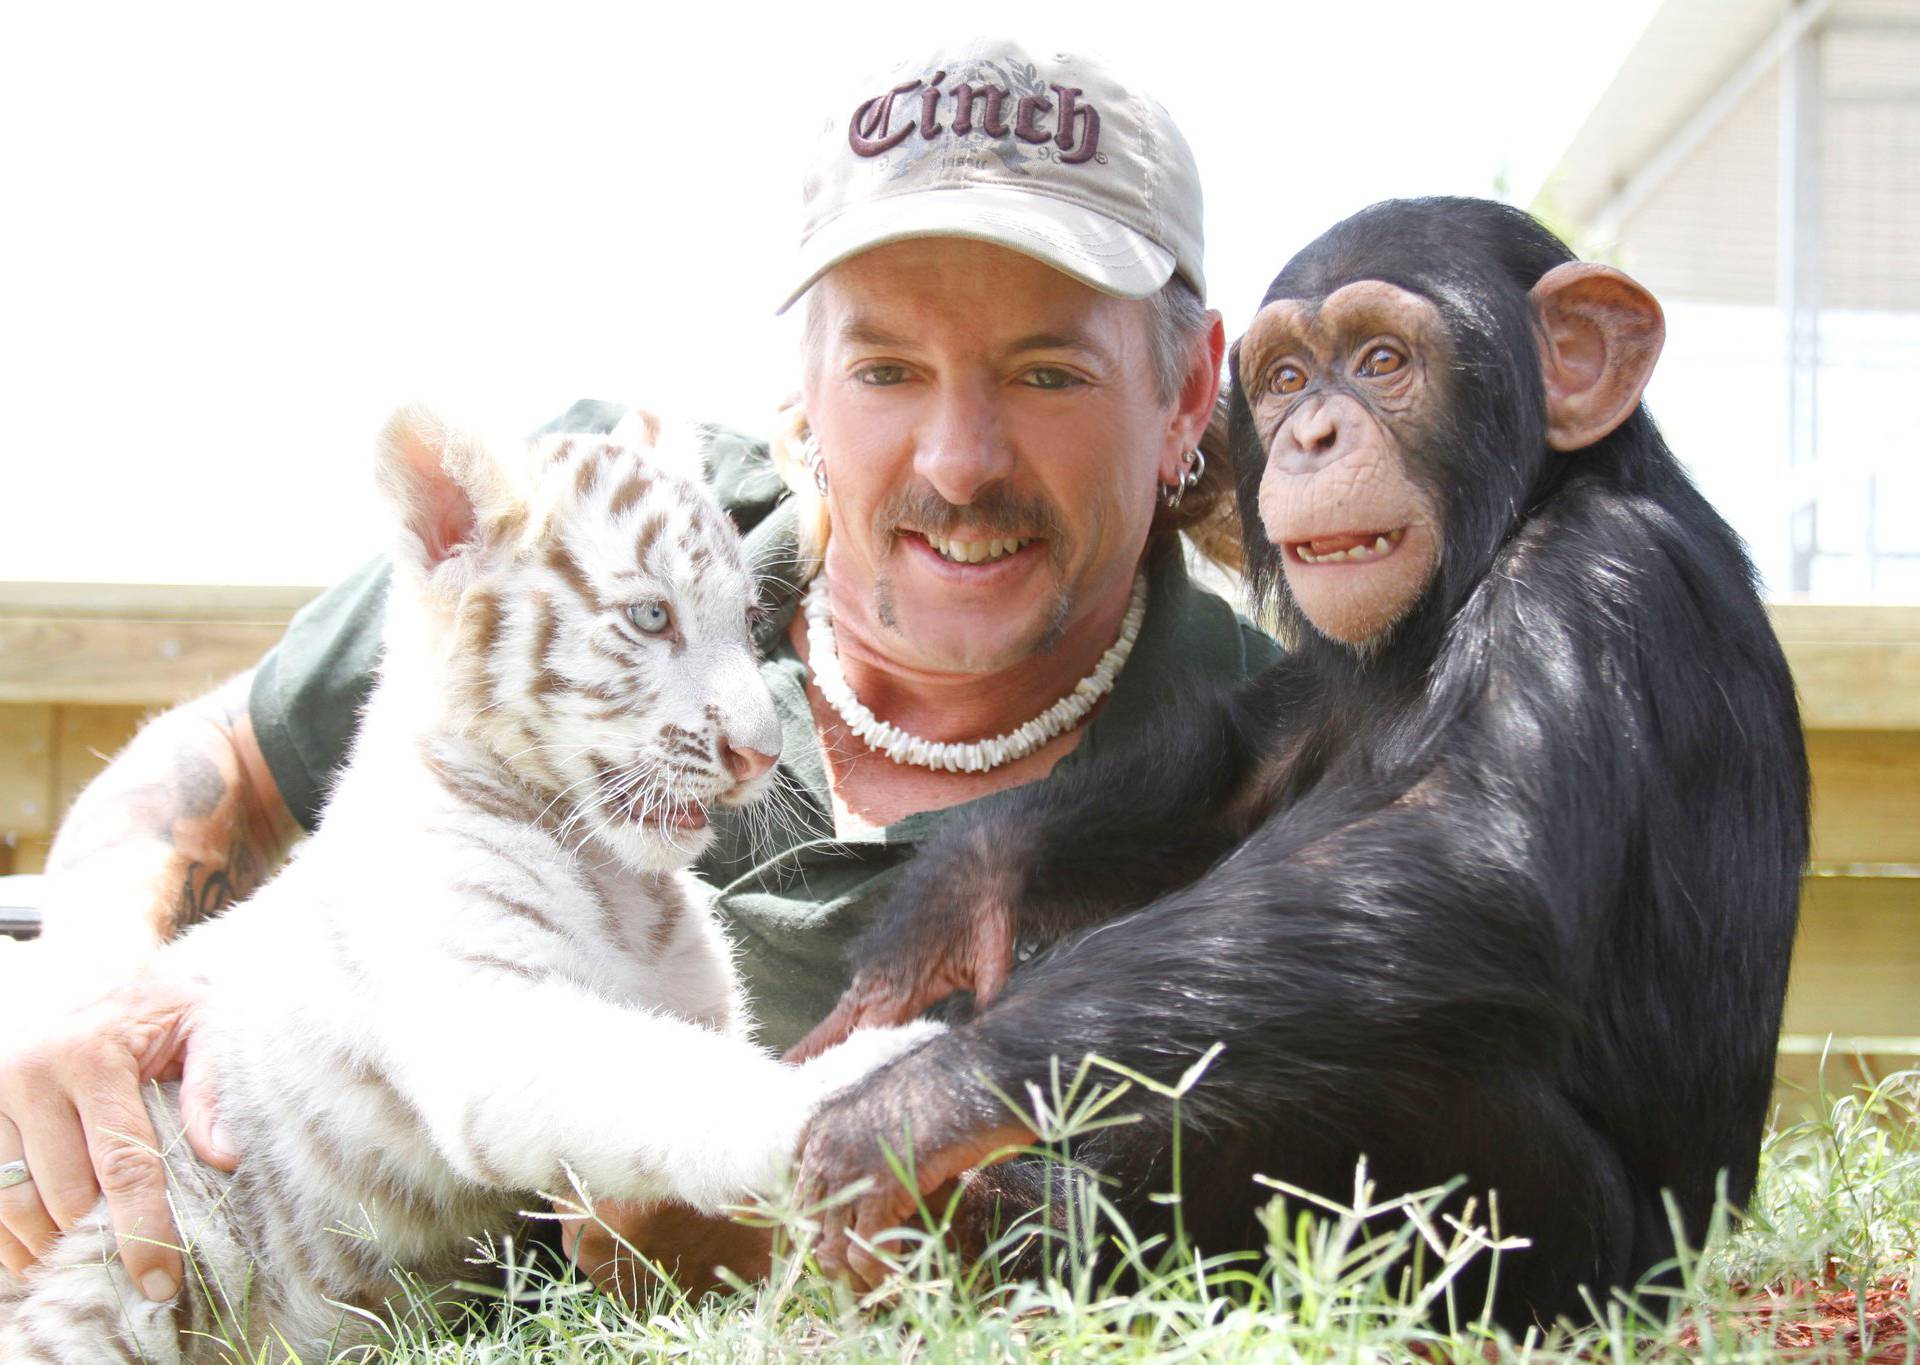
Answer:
(651, 618)
(1287, 379)
(1380, 361)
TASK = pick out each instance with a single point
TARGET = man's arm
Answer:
(185, 821)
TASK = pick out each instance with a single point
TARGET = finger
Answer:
(200, 1113)
(569, 1229)
(990, 979)
(866, 1270)
(23, 1220)
(876, 1220)
(592, 1247)
(54, 1147)
(844, 1019)
(133, 1177)
(13, 1256)
(830, 1252)
(992, 956)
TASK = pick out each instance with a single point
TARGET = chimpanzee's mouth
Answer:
(1353, 547)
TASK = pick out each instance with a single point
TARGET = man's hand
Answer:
(923, 956)
(70, 1103)
(843, 1146)
(689, 1245)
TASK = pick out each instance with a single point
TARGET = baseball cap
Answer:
(1053, 156)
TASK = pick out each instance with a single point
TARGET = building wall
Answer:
(1706, 241)
(1707, 233)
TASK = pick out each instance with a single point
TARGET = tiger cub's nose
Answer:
(744, 764)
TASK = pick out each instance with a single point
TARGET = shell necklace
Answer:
(982, 755)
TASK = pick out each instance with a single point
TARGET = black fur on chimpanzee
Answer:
(1508, 895)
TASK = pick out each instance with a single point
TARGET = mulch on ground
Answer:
(1806, 1317)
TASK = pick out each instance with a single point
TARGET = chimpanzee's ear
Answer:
(1600, 336)
(453, 498)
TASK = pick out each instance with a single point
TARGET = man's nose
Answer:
(962, 446)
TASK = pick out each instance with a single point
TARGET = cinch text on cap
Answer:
(870, 131)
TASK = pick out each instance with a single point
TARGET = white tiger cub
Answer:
(489, 963)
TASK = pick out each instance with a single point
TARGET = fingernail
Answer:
(158, 1285)
(217, 1139)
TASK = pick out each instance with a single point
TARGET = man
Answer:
(1006, 378)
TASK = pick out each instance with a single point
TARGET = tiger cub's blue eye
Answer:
(651, 617)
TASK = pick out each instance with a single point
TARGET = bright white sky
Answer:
(233, 236)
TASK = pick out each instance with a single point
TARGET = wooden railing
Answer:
(81, 664)
(1856, 969)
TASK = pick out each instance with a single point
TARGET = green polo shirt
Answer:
(791, 895)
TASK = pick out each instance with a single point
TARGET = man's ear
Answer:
(452, 496)
(1601, 333)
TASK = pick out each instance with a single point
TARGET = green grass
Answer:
(1822, 1268)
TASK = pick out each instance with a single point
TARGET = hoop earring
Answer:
(1196, 465)
(814, 461)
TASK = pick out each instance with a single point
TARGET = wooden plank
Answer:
(1866, 796)
(26, 786)
(154, 601)
(1856, 967)
(124, 663)
(26, 771)
(1857, 668)
(84, 738)
(1813, 1072)
(1857, 686)
(29, 854)
(1797, 622)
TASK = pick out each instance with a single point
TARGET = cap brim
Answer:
(1076, 241)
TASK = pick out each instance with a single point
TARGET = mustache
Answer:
(997, 511)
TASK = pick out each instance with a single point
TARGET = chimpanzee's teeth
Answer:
(1382, 545)
(975, 551)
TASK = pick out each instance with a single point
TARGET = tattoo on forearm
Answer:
(205, 891)
(198, 788)
(184, 796)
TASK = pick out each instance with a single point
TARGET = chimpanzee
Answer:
(1494, 876)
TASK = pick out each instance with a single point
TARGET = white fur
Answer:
(401, 1048)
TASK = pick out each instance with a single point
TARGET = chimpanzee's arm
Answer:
(1356, 956)
(1044, 860)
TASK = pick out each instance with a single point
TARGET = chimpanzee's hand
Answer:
(689, 1245)
(916, 954)
(843, 1145)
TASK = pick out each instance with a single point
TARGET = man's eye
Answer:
(881, 376)
(650, 618)
(1379, 362)
(1049, 377)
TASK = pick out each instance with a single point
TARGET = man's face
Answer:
(993, 435)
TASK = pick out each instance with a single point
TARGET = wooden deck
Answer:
(81, 664)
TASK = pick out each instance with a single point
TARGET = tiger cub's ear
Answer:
(674, 446)
(638, 430)
(454, 499)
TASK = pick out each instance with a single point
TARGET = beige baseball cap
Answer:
(1052, 156)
